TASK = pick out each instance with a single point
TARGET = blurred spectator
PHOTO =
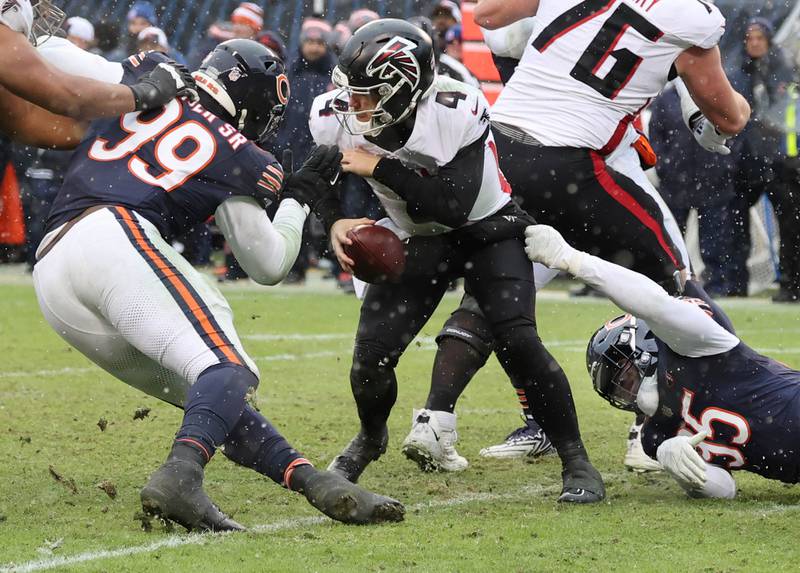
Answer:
(107, 41)
(693, 178)
(757, 151)
(152, 38)
(450, 61)
(341, 33)
(80, 32)
(140, 16)
(444, 16)
(446, 65)
(309, 74)
(272, 41)
(249, 19)
(360, 17)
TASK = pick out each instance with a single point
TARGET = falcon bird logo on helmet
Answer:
(396, 58)
(390, 64)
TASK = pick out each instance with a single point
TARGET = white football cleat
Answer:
(528, 441)
(431, 442)
(635, 458)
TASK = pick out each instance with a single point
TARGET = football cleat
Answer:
(582, 483)
(358, 454)
(175, 493)
(432, 440)
(347, 502)
(529, 441)
(635, 458)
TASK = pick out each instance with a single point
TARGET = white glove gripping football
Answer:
(680, 459)
(704, 132)
(543, 244)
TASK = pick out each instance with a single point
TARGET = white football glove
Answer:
(680, 459)
(543, 244)
(704, 132)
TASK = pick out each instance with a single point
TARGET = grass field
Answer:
(496, 516)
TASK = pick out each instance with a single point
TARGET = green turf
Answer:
(496, 516)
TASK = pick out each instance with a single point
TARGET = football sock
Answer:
(533, 370)
(455, 364)
(256, 444)
(214, 405)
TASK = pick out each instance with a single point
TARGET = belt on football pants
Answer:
(516, 134)
(66, 227)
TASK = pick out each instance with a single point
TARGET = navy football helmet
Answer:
(620, 354)
(248, 81)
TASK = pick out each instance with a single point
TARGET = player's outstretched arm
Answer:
(26, 74)
(493, 14)
(683, 326)
(701, 71)
(27, 123)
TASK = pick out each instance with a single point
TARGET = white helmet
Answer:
(36, 20)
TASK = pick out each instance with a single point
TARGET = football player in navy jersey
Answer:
(42, 105)
(111, 285)
(713, 403)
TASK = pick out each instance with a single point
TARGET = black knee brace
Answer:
(471, 328)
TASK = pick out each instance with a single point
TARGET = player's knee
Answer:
(469, 328)
(236, 379)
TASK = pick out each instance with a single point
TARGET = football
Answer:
(378, 254)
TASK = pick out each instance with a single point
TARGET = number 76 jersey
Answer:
(173, 165)
(592, 65)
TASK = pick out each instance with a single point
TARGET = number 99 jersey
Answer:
(592, 65)
(173, 165)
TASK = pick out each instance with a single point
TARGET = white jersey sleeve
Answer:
(70, 59)
(265, 249)
(701, 25)
(17, 15)
(680, 324)
(324, 127)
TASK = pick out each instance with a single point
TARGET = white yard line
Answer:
(283, 525)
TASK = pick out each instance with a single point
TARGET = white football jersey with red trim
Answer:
(450, 118)
(17, 15)
(592, 65)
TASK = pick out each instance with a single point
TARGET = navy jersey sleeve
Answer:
(140, 64)
(656, 430)
(693, 292)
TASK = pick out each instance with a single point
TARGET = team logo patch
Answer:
(396, 58)
(9, 5)
(234, 74)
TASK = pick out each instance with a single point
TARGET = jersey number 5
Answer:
(181, 152)
(708, 418)
(603, 45)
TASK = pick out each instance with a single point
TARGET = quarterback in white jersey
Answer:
(451, 117)
(426, 148)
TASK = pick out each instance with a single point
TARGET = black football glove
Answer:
(163, 84)
(316, 178)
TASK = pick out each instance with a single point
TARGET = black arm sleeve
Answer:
(446, 198)
(329, 209)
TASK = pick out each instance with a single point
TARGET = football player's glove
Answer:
(163, 84)
(545, 245)
(680, 459)
(704, 132)
(316, 178)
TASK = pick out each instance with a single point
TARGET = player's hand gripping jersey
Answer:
(451, 138)
(174, 165)
(592, 65)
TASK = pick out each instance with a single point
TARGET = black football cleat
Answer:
(175, 493)
(582, 483)
(347, 502)
(358, 454)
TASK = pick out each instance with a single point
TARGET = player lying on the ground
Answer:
(41, 104)
(679, 361)
(111, 285)
(426, 149)
(563, 135)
